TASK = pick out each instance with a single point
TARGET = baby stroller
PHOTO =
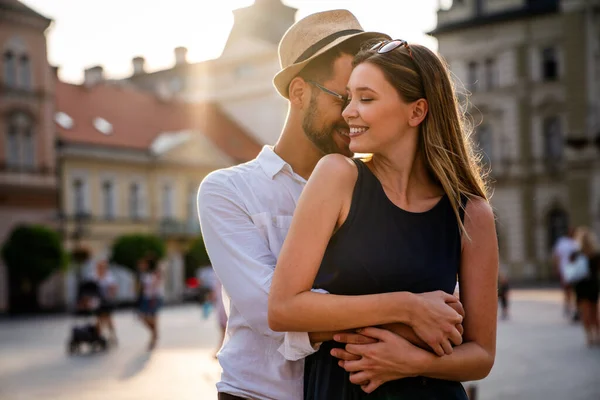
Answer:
(85, 330)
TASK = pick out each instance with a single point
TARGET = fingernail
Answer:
(336, 338)
(332, 352)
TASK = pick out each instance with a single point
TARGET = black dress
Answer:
(381, 248)
(589, 288)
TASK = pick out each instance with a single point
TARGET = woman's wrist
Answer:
(406, 306)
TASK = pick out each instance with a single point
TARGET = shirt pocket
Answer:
(274, 229)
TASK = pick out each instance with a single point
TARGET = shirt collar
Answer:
(270, 162)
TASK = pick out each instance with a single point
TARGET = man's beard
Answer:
(321, 137)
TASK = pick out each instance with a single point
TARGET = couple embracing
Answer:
(338, 271)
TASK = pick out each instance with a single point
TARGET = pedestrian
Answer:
(587, 289)
(563, 248)
(108, 295)
(407, 219)
(152, 293)
(245, 212)
(503, 293)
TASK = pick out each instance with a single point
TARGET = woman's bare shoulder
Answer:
(336, 167)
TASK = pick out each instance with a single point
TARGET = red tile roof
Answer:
(138, 117)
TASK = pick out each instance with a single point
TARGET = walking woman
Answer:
(152, 294)
(412, 218)
(587, 290)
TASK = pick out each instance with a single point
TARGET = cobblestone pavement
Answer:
(540, 355)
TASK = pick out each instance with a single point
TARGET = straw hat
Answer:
(313, 36)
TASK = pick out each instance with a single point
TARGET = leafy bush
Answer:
(127, 250)
(195, 257)
(32, 253)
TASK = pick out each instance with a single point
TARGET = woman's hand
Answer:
(391, 358)
(436, 322)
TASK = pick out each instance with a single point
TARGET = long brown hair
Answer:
(444, 135)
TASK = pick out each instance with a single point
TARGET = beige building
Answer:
(533, 70)
(240, 80)
(131, 162)
(28, 185)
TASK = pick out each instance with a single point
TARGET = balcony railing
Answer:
(174, 227)
(27, 169)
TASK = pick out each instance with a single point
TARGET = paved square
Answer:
(540, 356)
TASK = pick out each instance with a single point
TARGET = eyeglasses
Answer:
(388, 45)
(342, 98)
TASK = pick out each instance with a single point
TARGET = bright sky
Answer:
(111, 32)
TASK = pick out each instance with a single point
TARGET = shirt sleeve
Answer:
(239, 253)
(296, 345)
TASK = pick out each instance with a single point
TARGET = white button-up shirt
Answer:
(245, 213)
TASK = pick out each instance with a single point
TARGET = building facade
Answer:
(131, 162)
(532, 73)
(240, 80)
(28, 184)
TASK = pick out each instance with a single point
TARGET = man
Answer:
(562, 250)
(245, 211)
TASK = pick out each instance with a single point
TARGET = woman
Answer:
(587, 290)
(411, 218)
(151, 297)
(108, 294)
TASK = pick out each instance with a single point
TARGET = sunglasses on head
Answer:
(388, 45)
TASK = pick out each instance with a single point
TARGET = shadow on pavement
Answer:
(135, 366)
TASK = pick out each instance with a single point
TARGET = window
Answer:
(553, 142)
(10, 70)
(79, 196)
(192, 212)
(472, 76)
(20, 141)
(558, 224)
(486, 143)
(134, 201)
(25, 72)
(108, 197)
(491, 77)
(12, 145)
(28, 141)
(549, 64)
(167, 201)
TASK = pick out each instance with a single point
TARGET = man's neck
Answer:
(298, 151)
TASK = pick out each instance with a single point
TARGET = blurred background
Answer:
(112, 112)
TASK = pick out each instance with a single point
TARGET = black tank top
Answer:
(382, 248)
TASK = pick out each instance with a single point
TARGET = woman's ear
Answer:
(297, 91)
(419, 112)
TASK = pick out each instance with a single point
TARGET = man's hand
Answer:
(435, 321)
(370, 365)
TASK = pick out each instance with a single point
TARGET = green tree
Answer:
(31, 253)
(195, 257)
(127, 250)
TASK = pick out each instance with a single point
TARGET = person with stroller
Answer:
(152, 293)
(108, 288)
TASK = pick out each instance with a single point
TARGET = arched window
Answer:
(12, 145)
(24, 72)
(558, 225)
(20, 141)
(10, 69)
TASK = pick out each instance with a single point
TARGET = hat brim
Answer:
(282, 79)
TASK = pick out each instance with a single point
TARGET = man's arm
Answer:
(238, 252)
(242, 260)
